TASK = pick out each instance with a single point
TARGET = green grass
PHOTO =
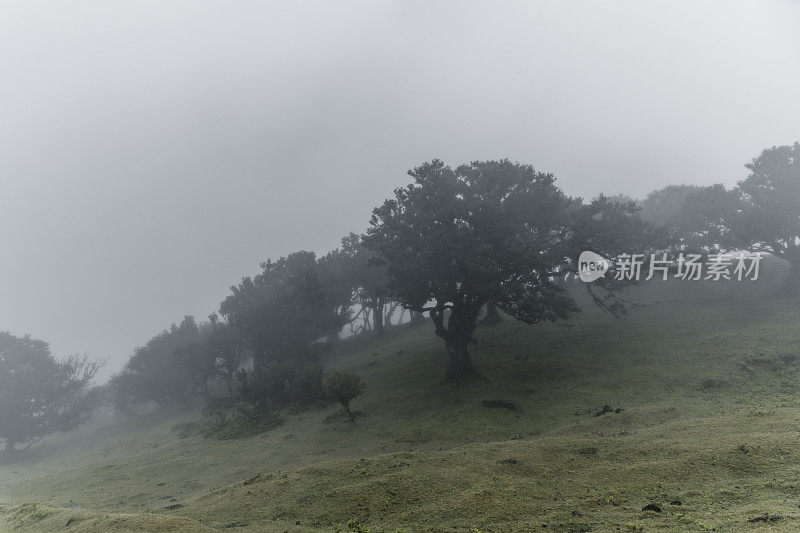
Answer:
(706, 376)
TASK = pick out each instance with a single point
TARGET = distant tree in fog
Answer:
(363, 273)
(40, 395)
(761, 213)
(663, 207)
(695, 218)
(768, 214)
(623, 199)
(226, 347)
(283, 312)
(169, 368)
(705, 221)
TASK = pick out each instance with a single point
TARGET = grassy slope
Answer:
(710, 417)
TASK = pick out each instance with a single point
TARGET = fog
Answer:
(153, 153)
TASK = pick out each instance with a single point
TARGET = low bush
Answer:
(281, 385)
(239, 422)
(343, 387)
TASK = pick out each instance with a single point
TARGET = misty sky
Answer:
(154, 152)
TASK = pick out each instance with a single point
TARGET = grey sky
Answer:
(152, 153)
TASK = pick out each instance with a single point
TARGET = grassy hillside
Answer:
(703, 382)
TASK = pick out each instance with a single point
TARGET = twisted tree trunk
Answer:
(459, 362)
(457, 336)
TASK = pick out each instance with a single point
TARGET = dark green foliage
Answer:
(282, 312)
(306, 386)
(281, 384)
(118, 393)
(365, 275)
(169, 368)
(768, 214)
(336, 273)
(265, 386)
(225, 345)
(40, 395)
(344, 387)
(664, 207)
(705, 222)
(178, 363)
(610, 228)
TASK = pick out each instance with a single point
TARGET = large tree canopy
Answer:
(38, 394)
(495, 231)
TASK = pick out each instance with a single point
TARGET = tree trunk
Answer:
(367, 321)
(346, 406)
(459, 363)
(378, 313)
(457, 337)
(387, 321)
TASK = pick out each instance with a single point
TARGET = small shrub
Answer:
(588, 450)
(499, 404)
(707, 384)
(240, 422)
(343, 387)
